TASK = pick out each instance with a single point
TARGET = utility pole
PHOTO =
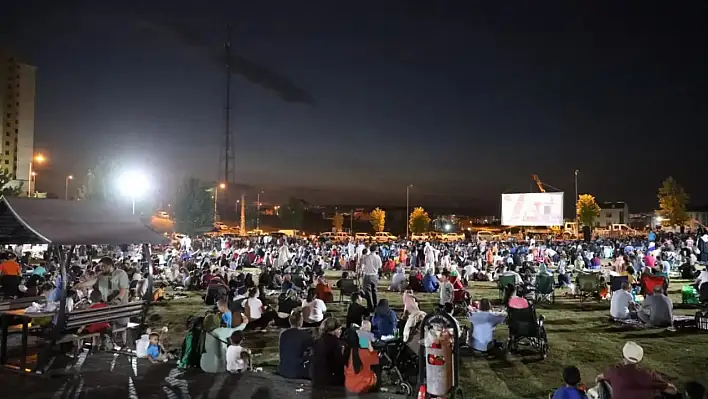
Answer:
(351, 222)
(577, 222)
(228, 144)
(243, 214)
(408, 192)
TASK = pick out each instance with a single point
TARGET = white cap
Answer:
(632, 352)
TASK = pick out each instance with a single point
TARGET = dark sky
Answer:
(463, 99)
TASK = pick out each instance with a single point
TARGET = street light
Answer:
(133, 184)
(258, 212)
(66, 187)
(577, 222)
(221, 186)
(408, 189)
(39, 158)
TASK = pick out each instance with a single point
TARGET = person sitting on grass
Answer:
(572, 388)
(293, 347)
(259, 316)
(323, 290)
(629, 380)
(430, 282)
(398, 281)
(237, 357)
(287, 302)
(622, 302)
(356, 312)
(512, 300)
(483, 322)
(313, 309)
(415, 281)
(327, 359)
(384, 321)
(657, 309)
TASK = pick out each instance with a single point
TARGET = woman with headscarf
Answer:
(398, 281)
(361, 370)
(384, 321)
(430, 282)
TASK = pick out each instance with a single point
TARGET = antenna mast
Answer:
(228, 144)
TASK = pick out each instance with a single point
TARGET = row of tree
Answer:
(673, 200)
(418, 221)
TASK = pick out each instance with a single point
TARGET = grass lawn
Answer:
(579, 334)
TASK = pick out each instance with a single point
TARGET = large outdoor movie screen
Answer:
(532, 209)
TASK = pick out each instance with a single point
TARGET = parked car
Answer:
(485, 235)
(341, 237)
(384, 237)
(221, 226)
(452, 237)
(362, 236)
(419, 237)
(326, 236)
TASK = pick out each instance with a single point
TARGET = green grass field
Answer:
(579, 334)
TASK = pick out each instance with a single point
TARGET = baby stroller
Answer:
(399, 363)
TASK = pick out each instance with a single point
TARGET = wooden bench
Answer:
(109, 314)
(8, 305)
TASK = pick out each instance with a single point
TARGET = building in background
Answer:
(698, 214)
(17, 100)
(612, 213)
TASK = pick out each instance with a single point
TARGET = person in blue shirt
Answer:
(226, 317)
(155, 353)
(572, 388)
(484, 322)
(430, 282)
(384, 321)
(39, 271)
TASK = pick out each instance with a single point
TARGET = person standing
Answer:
(370, 266)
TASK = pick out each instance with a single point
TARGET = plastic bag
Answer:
(141, 346)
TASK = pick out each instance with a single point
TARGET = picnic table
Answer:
(8, 318)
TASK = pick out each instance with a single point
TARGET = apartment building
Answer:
(17, 101)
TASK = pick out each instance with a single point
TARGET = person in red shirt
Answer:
(630, 381)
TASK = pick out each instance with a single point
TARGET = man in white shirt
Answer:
(701, 279)
(621, 302)
(369, 269)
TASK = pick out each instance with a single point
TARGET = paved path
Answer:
(109, 376)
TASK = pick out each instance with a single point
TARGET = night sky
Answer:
(463, 99)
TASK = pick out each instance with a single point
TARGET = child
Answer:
(238, 358)
(365, 336)
(572, 388)
(97, 303)
(447, 291)
(155, 353)
(226, 317)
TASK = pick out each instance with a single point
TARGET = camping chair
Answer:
(648, 282)
(524, 325)
(503, 282)
(545, 289)
(588, 285)
(347, 287)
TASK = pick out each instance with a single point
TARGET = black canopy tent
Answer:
(58, 222)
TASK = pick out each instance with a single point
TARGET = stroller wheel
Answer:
(404, 388)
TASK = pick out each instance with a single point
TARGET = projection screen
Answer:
(532, 209)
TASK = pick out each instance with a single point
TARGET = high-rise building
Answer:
(17, 95)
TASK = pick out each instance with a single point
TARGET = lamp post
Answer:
(258, 211)
(133, 185)
(577, 222)
(66, 187)
(221, 186)
(39, 158)
(408, 193)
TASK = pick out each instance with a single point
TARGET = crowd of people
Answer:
(290, 292)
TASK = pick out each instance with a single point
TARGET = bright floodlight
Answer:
(133, 184)
(448, 227)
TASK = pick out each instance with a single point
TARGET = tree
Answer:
(672, 202)
(419, 220)
(587, 209)
(7, 186)
(193, 208)
(378, 219)
(338, 222)
(292, 213)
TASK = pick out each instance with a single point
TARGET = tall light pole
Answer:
(408, 193)
(577, 222)
(258, 211)
(133, 184)
(221, 186)
(39, 158)
(66, 187)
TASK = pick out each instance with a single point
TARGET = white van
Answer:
(485, 235)
(384, 237)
